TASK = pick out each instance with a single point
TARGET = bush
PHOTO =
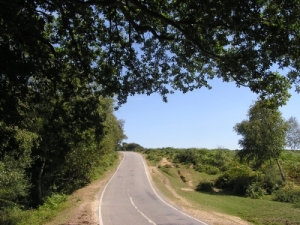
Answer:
(54, 201)
(285, 195)
(271, 179)
(255, 190)
(211, 170)
(236, 179)
(200, 167)
(294, 172)
(187, 157)
(155, 155)
(205, 186)
(50, 208)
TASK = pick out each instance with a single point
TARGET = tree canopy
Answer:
(263, 135)
(124, 47)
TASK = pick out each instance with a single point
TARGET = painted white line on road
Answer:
(146, 171)
(150, 221)
(100, 216)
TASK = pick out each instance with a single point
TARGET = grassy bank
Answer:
(185, 181)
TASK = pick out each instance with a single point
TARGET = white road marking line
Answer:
(146, 171)
(150, 221)
(100, 216)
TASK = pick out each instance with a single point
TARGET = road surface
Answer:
(129, 199)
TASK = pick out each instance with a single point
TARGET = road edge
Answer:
(160, 198)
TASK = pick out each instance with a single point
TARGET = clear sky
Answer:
(202, 118)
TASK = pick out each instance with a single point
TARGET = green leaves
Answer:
(133, 47)
(263, 135)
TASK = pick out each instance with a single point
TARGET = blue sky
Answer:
(202, 118)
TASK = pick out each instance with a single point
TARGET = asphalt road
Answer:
(129, 199)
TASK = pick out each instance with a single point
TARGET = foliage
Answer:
(263, 135)
(287, 195)
(205, 186)
(131, 147)
(204, 160)
(155, 155)
(236, 180)
(15, 159)
(105, 162)
(291, 163)
(189, 156)
(294, 172)
(224, 170)
(293, 134)
(207, 169)
(59, 152)
(226, 201)
(271, 180)
(130, 47)
(255, 190)
(15, 215)
(14, 184)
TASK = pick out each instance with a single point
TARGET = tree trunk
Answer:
(39, 182)
(281, 170)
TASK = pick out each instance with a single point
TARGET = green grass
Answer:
(257, 211)
(47, 211)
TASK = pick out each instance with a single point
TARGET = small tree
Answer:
(263, 135)
(293, 134)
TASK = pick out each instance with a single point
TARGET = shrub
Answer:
(205, 186)
(54, 201)
(285, 195)
(211, 170)
(271, 179)
(200, 167)
(10, 215)
(294, 172)
(236, 179)
(255, 190)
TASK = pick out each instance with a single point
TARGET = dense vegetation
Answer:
(127, 47)
(53, 147)
(234, 188)
(226, 173)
